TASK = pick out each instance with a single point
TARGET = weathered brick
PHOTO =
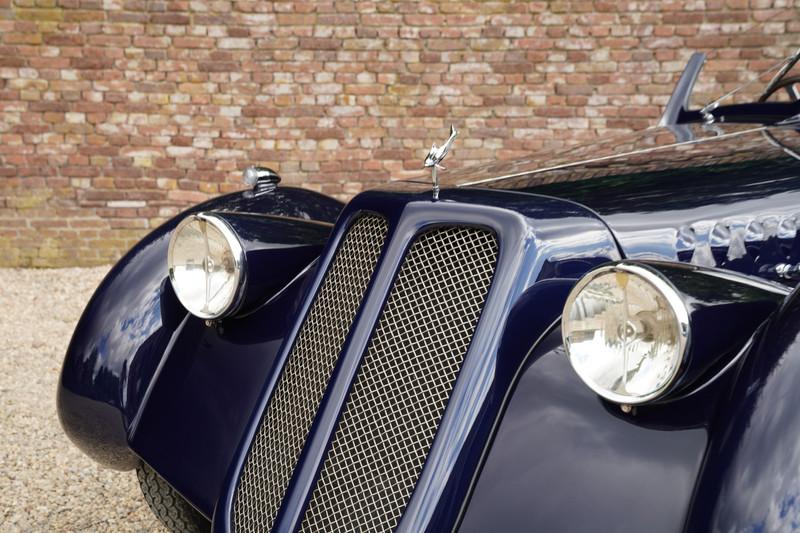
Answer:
(64, 39)
(91, 63)
(170, 18)
(192, 42)
(320, 44)
(325, 133)
(218, 66)
(235, 43)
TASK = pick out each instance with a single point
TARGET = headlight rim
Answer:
(679, 310)
(237, 252)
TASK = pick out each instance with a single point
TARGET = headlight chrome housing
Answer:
(626, 331)
(206, 266)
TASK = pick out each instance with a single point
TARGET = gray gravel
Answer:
(46, 484)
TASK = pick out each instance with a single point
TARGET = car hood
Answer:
(692, 192)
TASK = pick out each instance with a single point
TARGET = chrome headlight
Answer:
(625, 331)
(206, 265)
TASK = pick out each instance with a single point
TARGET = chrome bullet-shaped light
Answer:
(626, 331)
(206, 265)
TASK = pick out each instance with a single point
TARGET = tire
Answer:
(170, 508)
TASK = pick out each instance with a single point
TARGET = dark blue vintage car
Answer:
(602, 340)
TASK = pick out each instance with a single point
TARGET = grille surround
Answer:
(287, 419)
(367, 485)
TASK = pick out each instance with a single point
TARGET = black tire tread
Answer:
(168, 505)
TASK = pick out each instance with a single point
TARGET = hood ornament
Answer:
(435, 157)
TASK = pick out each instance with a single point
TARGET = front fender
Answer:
(132, 317)
(565, 459)
(751, 478)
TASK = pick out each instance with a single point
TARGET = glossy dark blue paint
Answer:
(564, 459)
(668, 201)
(205, 391)
(276, 249)
(751, 479)
(131, 320)
(540, 239)
(524, 445)
(729, 305)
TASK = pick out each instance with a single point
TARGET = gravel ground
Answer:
(46, 484)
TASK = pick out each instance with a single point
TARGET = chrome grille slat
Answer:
(404, 382)
(287, 420)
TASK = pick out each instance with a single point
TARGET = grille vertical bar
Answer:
(404, 383)
(288, 417)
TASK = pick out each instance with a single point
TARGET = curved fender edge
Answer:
(751, 476)
(129, 322)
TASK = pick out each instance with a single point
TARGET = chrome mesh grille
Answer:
(288, 417)
(404, 383)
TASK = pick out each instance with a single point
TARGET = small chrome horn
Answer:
(261, 179)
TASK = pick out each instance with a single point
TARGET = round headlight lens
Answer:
(205, 265)
(625, 330)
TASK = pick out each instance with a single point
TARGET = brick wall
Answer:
(116, 114)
